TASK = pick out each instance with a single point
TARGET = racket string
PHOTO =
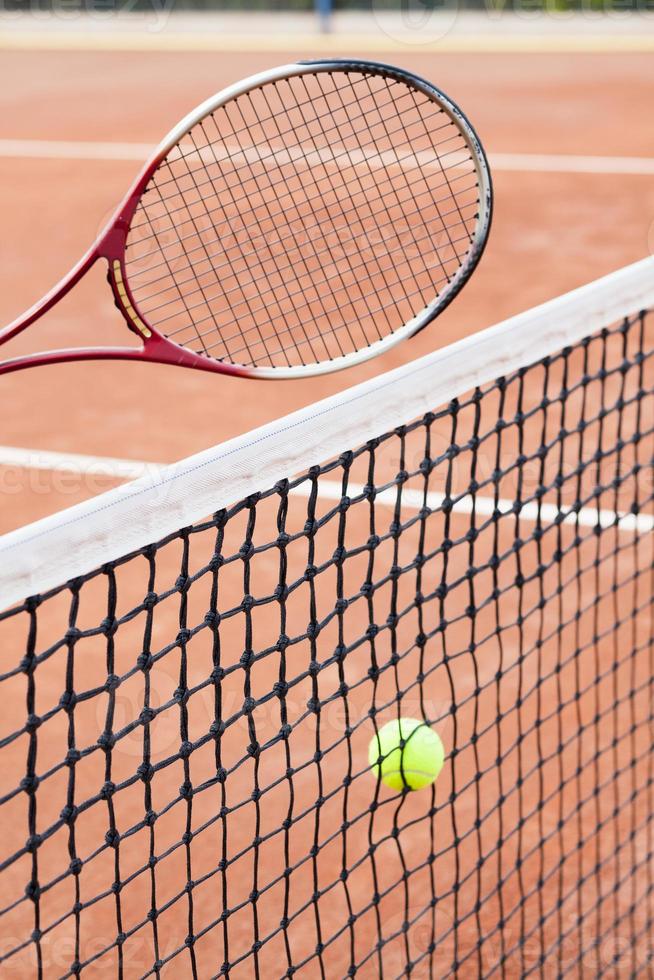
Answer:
(142, 257)
(301, 257)
(326, 129)
(354, 169)
(334, 310)
(333, 158)
(327, 279)
(394, 192)
(390, 253)
(354, 281)
(445, 227)
(256, 325)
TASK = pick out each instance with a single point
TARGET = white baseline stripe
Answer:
(39, 459)
(128, 469)
(485, 506)
(74, 150)
(509, 162)
(76, 541)
(564, 163)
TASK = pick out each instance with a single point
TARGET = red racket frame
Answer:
(112, 241)
(111, 247)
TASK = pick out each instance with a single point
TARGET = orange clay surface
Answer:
(552, 232)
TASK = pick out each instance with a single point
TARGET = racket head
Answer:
(295, 223)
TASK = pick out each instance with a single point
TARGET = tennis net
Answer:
(184, 736)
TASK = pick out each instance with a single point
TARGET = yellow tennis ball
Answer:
(413, 767)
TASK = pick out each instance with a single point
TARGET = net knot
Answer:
(29, 784)
(186, 790)
(69, 814)
(68, 700)
(112, 683)
(339, 554)
(216, 562)
(108, 626)
(145, 772)
(33, 891)
(313, 630)
(33, 843)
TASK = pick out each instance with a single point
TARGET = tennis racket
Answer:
(300, 221)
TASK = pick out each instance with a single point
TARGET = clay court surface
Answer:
(554, 230)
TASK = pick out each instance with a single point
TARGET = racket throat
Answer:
(123, 299)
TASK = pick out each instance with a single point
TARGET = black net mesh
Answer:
(184, 733)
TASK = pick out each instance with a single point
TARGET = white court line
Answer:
(571, 164)
(128, 469)
(74, 150)
(38, 459)
(509, 162)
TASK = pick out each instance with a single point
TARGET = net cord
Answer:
(49, 552)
